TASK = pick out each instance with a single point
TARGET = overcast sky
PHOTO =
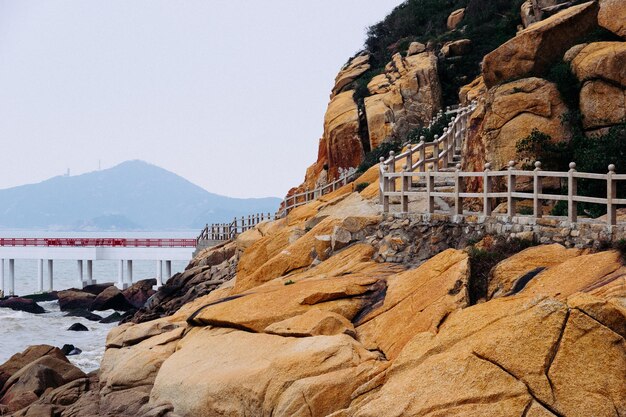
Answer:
(228, 94)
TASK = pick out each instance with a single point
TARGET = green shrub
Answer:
(361, 186)
(289, 282)
(483, 260)
(372, 158)
(429, 133)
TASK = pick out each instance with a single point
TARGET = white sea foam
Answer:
(20, 330)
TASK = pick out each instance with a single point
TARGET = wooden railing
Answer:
(439, 153)
(510, 177)
(227, 231)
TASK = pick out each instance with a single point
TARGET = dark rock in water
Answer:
(86, 314)
(138, 293)
(74, 299)
(111, 299)
(46, 296)
(113, 318)
(70, 350)
(96, 289)
(22, 304)
(31, 354)
(78, 327)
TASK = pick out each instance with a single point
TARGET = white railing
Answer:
(510, 177)
(226, 231)
(439, 153)
(296, 200)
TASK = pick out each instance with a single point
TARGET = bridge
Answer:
(87, 250)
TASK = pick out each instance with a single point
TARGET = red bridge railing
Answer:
(101, 242)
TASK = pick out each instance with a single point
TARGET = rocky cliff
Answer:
(337, 310)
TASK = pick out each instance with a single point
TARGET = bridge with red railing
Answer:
(86, 250)
(99, 242)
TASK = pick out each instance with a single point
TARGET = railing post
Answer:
(381, 180)
(436, 152)
(409, 155)
(444, 139)
(486, 190)
(511, 182)
(392, 168)
(537, 189)
(430, 187)
(572, 192)
(423, 153)
(451, 141)
(385, 189)
(458, 189)
(405, 187)
(611, 194)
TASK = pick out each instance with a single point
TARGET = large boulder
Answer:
(509, 113)
(512, 274)
(601, 66)
(31, 354)
(22, 304)
(508, 356)
(350, 72)
(404, 97)
(30, 382)
(245, 381)
(415, 301)
(314, 322)
(532, 51)
(74, 299)
(110, 299)
(455, 18)
(612, 16)
(138, 293)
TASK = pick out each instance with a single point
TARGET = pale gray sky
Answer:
(229, 94)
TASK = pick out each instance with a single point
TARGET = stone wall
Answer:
(413, 238)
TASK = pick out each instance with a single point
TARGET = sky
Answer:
(229, 94)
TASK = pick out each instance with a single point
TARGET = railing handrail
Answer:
(99, 242)
(510, 175)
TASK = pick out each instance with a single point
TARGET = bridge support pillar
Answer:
(11, 289)
(168, 270)
(50, 282)
(2, 288)
(129, 270)
(90, 272)
(120, 276)
(79, 265)
(159, 274)
(40, 275)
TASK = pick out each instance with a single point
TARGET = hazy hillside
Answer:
(132, 195)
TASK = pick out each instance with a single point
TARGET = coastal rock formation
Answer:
(509, 113)
(541, 45)
(612, 16)
(22, 304)
(601, 67)
(404, 97)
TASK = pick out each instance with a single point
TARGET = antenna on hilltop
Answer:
(67, 174)
(99, 165)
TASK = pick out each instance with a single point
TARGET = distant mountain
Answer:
(133, 195)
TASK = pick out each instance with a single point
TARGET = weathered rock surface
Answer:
(415, 48)
(351, 71)
(539, 46)
(612, 16)
(455, 18)
(110, 299)
(405, 96)
(513, 274)
(509, 113)
(601, 66)
(138, 293)
(456, 48)
(20, 360)
(314, 322)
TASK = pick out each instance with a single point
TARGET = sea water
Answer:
(18, 329)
